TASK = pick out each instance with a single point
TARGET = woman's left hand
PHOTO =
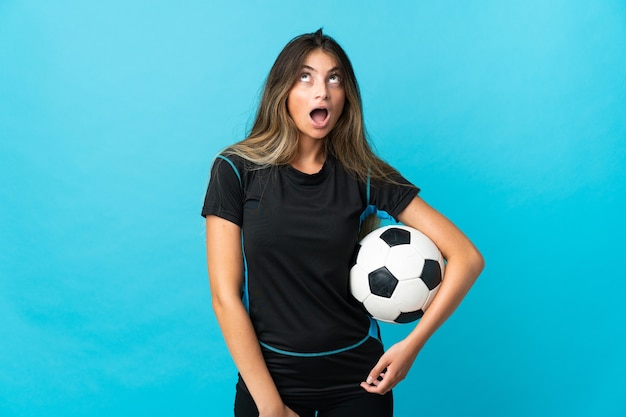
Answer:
(392, 367)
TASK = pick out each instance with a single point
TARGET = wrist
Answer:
(270, 407)
(416, 339)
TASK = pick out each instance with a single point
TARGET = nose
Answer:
(321, 90)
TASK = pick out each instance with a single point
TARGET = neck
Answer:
(311, 156)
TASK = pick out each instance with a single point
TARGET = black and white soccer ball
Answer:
(397, 273)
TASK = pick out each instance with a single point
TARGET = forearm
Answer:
(244, 348)
(464, 264)
(460, 274)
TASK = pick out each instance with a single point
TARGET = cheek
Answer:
(340, 105)
(294, 105)
(289, 104)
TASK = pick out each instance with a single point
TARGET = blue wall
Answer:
(511, 116)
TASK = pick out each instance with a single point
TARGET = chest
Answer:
(320, 217)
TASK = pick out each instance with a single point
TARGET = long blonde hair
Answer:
(273, 139)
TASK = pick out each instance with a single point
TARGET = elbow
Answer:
(223, 304)
(476, 262)
(470, 261)
(219, 304)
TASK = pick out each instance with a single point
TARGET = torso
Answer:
(300, 233)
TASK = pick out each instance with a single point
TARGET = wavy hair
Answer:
(273, 139)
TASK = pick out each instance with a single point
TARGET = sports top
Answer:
(299, 238)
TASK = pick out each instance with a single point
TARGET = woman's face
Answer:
(316, 100)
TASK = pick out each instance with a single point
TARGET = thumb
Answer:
(375, 375)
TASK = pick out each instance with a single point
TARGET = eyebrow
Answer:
(333, 69)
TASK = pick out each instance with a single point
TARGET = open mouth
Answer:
(319, 115)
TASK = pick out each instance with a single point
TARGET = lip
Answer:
(322, 123)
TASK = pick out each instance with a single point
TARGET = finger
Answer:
(373, 389)
(384, 383)
(377, 372)
(376, 380)
(381, 385)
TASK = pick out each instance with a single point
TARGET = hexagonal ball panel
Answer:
(410, 295)
(381, 308)
(372, 255)
(405, 262)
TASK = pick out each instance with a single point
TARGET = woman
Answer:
(283, 212)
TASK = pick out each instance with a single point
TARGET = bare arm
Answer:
(225, 262)
(464, 264)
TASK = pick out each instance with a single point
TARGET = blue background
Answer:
(511, 116)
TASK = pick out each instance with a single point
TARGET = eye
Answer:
(334, 79)
(305, 77)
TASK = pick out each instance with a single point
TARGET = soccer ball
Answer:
(396, 274)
